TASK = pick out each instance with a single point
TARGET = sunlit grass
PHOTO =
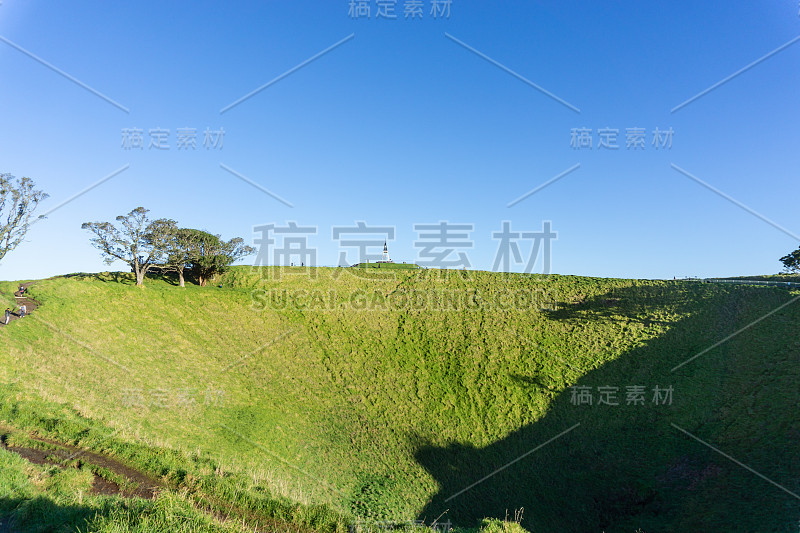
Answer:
(323, 385)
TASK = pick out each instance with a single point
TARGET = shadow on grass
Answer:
(626, 466)
(127, 278)
(40, 514)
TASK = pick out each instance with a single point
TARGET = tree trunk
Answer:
(140, 270)
(202, 280)
(180, 277)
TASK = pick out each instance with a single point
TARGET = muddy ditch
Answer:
(133, 482)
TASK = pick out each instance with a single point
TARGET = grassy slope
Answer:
(386, 409)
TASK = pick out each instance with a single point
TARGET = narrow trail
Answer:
(21, 299)
(132, 483)
(65, 456)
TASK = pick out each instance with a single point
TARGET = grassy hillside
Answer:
(384, 394)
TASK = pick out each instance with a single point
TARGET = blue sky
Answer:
(403, 124)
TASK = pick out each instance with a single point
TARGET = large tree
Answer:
(181, 248)
(791, 262)
(18, 200)
(212, 255)
(138, 241)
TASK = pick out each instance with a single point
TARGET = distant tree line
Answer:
(149, 245)
(160, 245)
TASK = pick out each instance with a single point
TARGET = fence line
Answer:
(753, 282)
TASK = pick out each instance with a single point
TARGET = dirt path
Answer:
(21, 299)
(65, 456)
(135, 484)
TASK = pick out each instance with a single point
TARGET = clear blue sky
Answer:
(403, 125)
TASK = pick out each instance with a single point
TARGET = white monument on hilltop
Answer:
(385, 255)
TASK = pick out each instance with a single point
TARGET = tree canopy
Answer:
(18, 200)
(181, 244)
(791, 262)
(138, 241)
(146, 244)
(212, 255)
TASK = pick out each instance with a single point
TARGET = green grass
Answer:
(382, 394)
